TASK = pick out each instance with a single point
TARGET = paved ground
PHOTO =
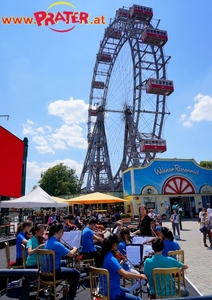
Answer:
(197, 257)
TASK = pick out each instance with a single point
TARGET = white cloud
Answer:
(182, 117)
(39, 140)
(30, 122)
(34, 169)
(72, 135)
(48, 128)
(202, 108)
(68, 135)
(71, 111)
(40, 130)
(187, 124)
(44, 149)
(27, 129)
(201, 111)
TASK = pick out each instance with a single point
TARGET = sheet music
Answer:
(147, 250)
(141, 239)
(134, 254)
(72, 238)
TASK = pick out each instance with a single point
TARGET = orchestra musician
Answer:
(155, 229)
(22, 239)
(63, 272)
(108, 261)
(124, 240)
(36, 242)
(160, 261)
(68, 223)
(169, 243)
(88, 237)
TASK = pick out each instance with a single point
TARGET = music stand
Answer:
(134, 254)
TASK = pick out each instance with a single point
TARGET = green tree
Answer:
(206, 164)
(59, 180)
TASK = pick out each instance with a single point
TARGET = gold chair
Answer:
(46, 275)
(82, 265)
(10, 264)
(166, 282)
(99, 277)
(180, 256)
(23, 250)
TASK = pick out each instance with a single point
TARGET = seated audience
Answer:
(62, 272)
(109, 262)
(21, 238)
(160, 261)
(33, 244)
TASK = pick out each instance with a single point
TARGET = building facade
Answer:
(165, 182)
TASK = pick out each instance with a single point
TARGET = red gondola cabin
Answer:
(159, 86)
(98, 84)
(105, 57)
(112, 33)
(123, 12)
(154, 37)
(153, 145)
(93, 112)
(141, 13)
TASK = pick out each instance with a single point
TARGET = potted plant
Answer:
(126, 218)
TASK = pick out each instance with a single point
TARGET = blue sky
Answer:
(45, 80)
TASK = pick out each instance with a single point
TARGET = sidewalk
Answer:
(197, 257)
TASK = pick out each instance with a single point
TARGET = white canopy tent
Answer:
(36, 198)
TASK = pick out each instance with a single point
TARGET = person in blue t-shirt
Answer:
(169, 243)
(124, 240)
(87, 241)
(62, 272)
(21, 238)
(108, 261)
(160, 261)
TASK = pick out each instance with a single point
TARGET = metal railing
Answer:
(27, 275)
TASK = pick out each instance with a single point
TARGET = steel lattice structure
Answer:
(120, 112)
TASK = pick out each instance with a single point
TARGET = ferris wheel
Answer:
(127, 105)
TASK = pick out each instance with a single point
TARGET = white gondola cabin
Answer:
(98, 84)
(159, 86)
(123, 12)
(105, 57)
(112, 33)
(153, 145)
(154, 37)
(141, 13)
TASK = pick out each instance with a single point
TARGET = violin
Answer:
(71, 226)
(98, 231)
(41, 240)
(28, 235)
(118, 255)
